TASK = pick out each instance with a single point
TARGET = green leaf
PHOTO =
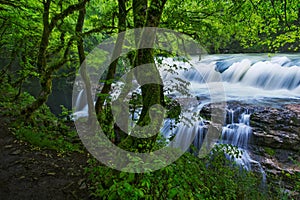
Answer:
(172, 193)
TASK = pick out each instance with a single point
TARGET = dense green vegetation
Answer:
(187, 178)
(43, 43)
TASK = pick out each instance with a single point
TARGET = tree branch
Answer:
(99, 30)
(70, 10)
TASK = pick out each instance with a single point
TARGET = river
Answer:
(257, 79)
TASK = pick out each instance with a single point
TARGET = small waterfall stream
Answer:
(253, 78)
(185, 132)
(81, 101)
(236, 131)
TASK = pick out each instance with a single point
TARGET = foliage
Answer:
(173, 109)
(43, 130)
(187, 178)
(48, 138)
(237, 26)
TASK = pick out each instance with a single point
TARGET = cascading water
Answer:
(254, 79)
(81, 106)
(185, 132)
(244, 76)
(249, 79)
(80, 102)
(238, 133)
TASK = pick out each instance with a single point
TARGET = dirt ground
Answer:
(28, 173)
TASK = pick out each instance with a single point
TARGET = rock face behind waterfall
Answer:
(276, 134)
(277, 128)
(275, 139)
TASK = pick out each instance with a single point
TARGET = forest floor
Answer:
(30, 173)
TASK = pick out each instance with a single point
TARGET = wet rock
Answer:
(16, 152)
(8, 146)
(295, 108)
(275, 139)
(276, 128)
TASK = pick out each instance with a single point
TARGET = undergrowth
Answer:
(43, 129)
(189, 177)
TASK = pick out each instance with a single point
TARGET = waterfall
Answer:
(276, 73)
(272, 76)
(252, 78)
(185, 134)
(238, 133)
(81, 101)
(244, 77)
(81, 106)
(190, 130)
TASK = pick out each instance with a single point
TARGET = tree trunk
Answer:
(46, 79)
(111, 74)
(47, 71)
(80, 48)
(152, 94)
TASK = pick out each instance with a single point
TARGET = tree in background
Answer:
(44, 67)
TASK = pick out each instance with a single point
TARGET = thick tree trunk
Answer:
(42, 62)
(152, 94)
(116, 53)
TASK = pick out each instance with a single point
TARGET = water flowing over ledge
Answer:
(262, 114)
(244, 76)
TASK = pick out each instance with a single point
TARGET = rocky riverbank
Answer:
(275, 139)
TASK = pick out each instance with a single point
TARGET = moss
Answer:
(269, 151)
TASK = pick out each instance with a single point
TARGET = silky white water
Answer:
(252, 78)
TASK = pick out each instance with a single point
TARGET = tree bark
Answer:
(152, 94)
(45, 80)
(80, 49)
(47, 71)
(119, 134)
